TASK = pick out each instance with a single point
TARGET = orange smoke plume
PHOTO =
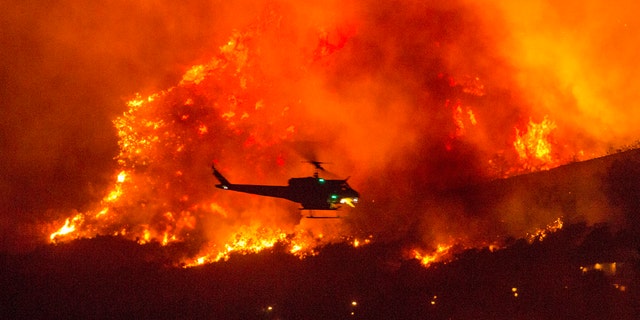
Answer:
(410, 99)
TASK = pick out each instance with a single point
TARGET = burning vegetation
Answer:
(275, 83)
(468, 130)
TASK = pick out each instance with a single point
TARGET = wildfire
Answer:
(227, 108)
(443, 252)
(254, 239)
(220, 104)
(542, 233)
(533, 145)
(359, 242)
(69, 227)
(461, 117)
(426, 259)
(249, 240)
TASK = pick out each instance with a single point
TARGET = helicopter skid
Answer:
(323, 217)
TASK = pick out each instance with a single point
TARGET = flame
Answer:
(533, 145)
(441, 252)
(68, 228)
(356, 243)
(256, 239)
(232, 108)
(542, 233)
(463, 117)
(154, 197)
(121, 176)
(195, 75)
(444, 252)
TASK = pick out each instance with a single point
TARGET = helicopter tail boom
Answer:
(224, 183)
(269, 191)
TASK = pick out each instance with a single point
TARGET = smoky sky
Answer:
(379, 100)
(67, 68)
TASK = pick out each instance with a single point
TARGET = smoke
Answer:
(67, 68)
(408, 98)
(531, 60)
(572, 60)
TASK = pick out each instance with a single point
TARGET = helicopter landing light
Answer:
(349, 201)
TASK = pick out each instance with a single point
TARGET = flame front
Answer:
(402, 103)
(162, 192)
(68, 228)
(441, 253)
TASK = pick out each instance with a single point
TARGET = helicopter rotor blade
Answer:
(317, 164)
(310, 151)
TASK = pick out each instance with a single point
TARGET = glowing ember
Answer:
(443, 252)
(358, 242)
(427, 259)
(196, 74)
(463, 117)
(460, 117)
(121, 176)
(542, 233)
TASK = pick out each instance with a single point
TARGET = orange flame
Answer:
(165, 128)
(68, 228)
(157, 133)
(255, 239)
(533, 146)
(542, 233)
(441, 252)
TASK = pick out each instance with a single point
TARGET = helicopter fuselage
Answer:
(313, 193)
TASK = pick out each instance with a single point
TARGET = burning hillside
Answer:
(386, 95)
(452, 119)
(473, 132)
(577, 272)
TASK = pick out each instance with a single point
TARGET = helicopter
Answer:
(313, 193)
